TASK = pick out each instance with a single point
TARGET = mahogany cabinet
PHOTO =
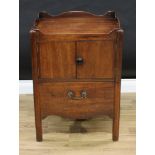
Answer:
(76, 61)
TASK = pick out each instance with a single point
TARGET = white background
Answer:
(9, 77)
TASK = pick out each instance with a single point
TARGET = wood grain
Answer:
(98, 57)
(38, 119)
(65, 136)
(77, 51)
(118, 69)
(54, 99)
(57, 60)
(74, 37)
(77, 22)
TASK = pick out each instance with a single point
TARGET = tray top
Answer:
(77, 22)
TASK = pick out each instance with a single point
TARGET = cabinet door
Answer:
(57, 60)
(97, 59)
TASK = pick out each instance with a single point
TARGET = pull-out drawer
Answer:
(76, 100)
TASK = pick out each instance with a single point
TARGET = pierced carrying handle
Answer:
(72, 96)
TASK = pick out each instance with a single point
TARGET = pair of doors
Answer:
(76, 59)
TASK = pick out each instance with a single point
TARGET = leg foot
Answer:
(116, 115)
(39, 137)
(115, 138)
(115, 133)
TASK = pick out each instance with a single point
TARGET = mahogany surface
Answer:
(76, 61)
(54, 99)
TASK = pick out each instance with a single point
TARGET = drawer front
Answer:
(76, 100)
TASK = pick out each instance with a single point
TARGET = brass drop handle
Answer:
(79, 60)
(72, 96)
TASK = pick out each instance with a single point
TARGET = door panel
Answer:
(57, 60)
(98, 59)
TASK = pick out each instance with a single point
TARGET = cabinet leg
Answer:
(116, 116)
(39, 137)
(38, 123)
(38, 119)
(115, 134)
